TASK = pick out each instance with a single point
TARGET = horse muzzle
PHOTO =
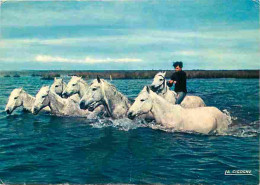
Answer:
(8, 111)
(131, 116)
(83, 105)
(35, 111)
(65, 95)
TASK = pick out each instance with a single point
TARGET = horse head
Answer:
(142, 104)
(94, 96)
(76, 86)
(159, 82)
(58, 86)
(14, 100)
(42, 99)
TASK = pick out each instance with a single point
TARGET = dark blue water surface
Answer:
(49, 149)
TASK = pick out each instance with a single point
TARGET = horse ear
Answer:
(55, 78)
(164, 73)
(98, 79)
(148, 89)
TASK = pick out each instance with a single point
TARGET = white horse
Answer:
(18, 98)
(201, 119)
(58, 105)
(101, 92)
(160, 87)
(76, 86)
(58, 86)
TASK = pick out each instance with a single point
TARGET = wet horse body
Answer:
(201, 119)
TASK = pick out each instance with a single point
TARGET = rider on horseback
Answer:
(179, 79)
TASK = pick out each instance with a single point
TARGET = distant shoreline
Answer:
(131, 74)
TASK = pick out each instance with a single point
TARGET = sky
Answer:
(129, 35)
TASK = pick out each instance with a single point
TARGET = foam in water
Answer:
(240, 129)
(124, 124)
(244, 130)
(234, 129)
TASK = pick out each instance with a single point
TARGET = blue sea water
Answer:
(49, 149)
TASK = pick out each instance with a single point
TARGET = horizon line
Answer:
(128, 70)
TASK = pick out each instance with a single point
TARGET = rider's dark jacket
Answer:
(180, 78)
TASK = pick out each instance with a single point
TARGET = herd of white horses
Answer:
(102, 99)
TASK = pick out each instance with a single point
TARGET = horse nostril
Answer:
(8, 111)
(82, 104)
(130, 115)
(65, 95)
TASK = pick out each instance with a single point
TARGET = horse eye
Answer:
(56, 86)
(44, 96)
(94, 89)
(142, 100)
(73, 84)
(15, 98)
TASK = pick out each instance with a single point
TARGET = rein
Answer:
(106, 101)
(62, 89)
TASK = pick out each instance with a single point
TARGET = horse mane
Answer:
(23, 91)
(115, 91)
(64, 84)
(83, 82)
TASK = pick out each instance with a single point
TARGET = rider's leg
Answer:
(180, 97)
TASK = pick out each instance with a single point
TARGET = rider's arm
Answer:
(172, 81)
(174, 78)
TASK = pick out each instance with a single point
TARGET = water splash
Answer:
(238, 129)
(234, 128)
(124, 124)
(244, 130)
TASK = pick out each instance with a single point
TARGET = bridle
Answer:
(163, 83)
